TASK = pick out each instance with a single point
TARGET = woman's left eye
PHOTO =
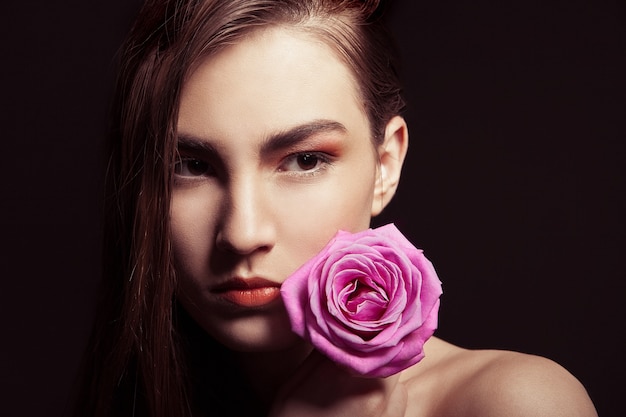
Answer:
(304, 162)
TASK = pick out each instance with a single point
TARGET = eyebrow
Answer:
(299, 133)
(274, 142)
(193, 143)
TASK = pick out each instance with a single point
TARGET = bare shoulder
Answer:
(516, 384)
(487, 383)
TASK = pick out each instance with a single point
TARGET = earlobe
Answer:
(391, 154)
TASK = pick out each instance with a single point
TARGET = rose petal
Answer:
(368, 300)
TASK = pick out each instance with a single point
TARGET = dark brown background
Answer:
(515, 183)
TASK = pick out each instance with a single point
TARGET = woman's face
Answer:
(275, 158)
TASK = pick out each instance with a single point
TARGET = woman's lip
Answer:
(251, 292)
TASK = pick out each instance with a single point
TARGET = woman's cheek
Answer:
(340, 200)
(191, 219)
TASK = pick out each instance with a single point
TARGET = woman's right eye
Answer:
(190, 167)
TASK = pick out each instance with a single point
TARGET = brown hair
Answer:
(135, 362)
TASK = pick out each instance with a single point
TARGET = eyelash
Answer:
(206, 169)
(322, 161)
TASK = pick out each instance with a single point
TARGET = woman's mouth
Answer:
(252, 292)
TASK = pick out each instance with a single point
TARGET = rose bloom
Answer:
(368, 301)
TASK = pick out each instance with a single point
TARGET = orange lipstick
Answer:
(252, 292)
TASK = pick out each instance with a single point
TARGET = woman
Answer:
(246, 134)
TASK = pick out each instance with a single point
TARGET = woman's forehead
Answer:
(271, 78)
(281, 43)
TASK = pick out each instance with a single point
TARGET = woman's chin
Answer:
(258, 333)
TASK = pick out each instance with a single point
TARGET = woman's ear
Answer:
(391, 155)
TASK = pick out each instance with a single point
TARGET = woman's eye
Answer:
(189, 167)
(304, 162)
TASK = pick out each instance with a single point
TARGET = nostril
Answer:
(222, 243)
(225, 244)
(244, 240)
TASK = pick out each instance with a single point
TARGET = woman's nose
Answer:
(246, 225)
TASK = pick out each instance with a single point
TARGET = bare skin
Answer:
(449, 381)
(242, 207)
(457, 382)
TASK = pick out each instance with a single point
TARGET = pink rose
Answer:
(368, 301)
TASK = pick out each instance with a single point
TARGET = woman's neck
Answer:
(267, 372)
(227, 382)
